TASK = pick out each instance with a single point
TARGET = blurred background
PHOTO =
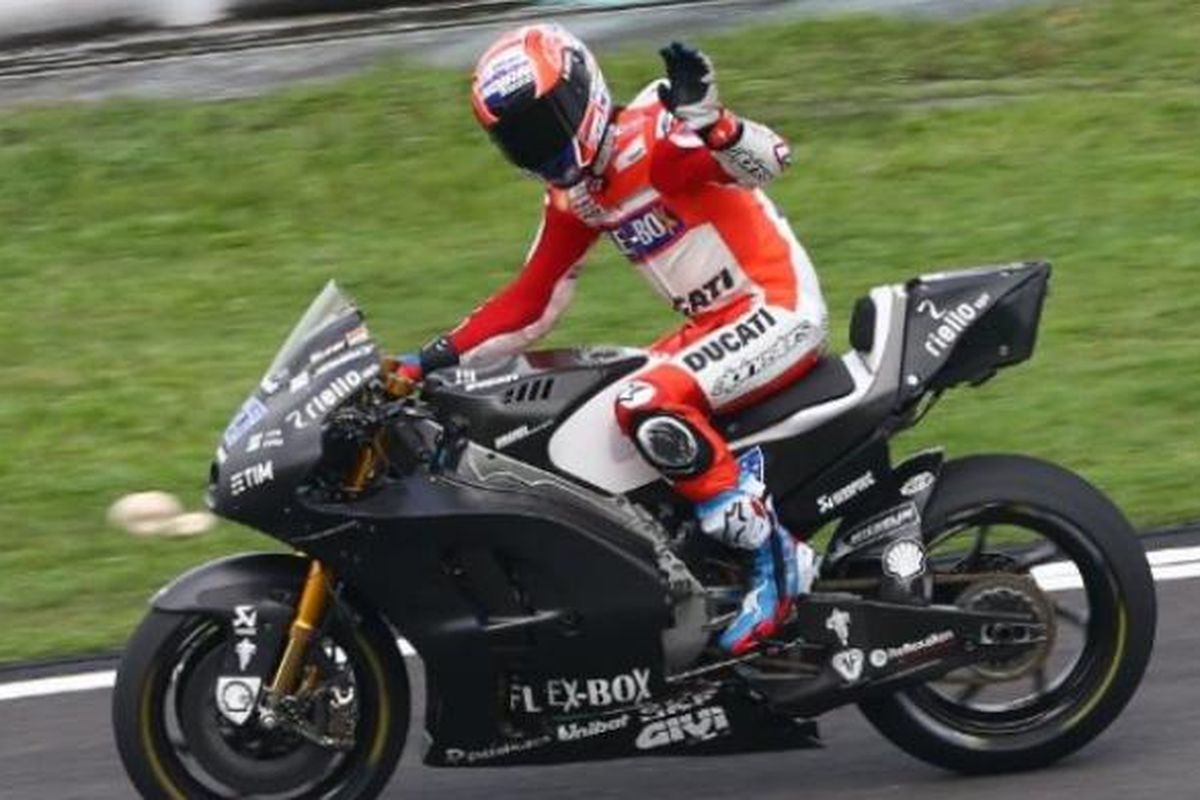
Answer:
(178, 178)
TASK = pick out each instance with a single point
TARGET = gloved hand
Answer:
(408, 365)
(692, 92)
(402, 373)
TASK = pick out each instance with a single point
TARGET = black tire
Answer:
(154, 655)
(1117, 576)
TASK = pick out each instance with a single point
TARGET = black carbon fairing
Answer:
(514, 404)
(498, 588)
(269, 449)
(963, 326)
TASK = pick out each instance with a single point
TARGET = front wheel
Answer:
(1041, 540)
(176, 745)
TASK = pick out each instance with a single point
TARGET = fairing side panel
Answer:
(590, 447)
(494, 588)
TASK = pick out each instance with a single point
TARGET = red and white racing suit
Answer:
(696, 225)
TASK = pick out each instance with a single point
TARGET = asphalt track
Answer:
(59, 747)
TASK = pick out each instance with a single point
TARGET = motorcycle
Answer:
(987, 613)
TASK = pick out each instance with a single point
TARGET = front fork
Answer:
(314, 597)
(310, 611)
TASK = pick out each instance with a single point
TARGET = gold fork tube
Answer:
(314, 599)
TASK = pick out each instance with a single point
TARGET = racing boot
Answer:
(782, 569)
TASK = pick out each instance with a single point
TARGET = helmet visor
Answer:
(539, 135)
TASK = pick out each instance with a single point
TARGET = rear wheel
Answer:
(175, 743)
(1043, 541)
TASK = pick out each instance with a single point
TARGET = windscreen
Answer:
(274, 440)
(326, 308)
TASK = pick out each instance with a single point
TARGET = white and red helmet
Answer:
(540, 95)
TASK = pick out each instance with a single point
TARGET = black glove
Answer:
(691, 94)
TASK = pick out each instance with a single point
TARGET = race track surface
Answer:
(59, 747)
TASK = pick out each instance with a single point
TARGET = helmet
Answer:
(540, 95)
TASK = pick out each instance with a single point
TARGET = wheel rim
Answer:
(1067, 684)
(184, 690)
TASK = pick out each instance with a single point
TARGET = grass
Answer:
(154, 254)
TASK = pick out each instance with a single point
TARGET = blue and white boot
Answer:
(738, 517)
(781, 571)
(782, 568)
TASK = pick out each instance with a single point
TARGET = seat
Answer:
(828, 380)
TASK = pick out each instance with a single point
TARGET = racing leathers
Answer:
(689, 213)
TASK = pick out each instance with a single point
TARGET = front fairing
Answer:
(274, 441)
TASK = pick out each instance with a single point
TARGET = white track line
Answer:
(90, 681)
(1171, 564)
(64, 684)
(1175, 564)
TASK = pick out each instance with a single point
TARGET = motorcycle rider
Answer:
(674, 180)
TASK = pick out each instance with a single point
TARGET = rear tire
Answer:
(155, 659)
(1116, 574)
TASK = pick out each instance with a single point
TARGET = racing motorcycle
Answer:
(986, 613)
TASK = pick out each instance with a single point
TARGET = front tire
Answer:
(1118, 633)
(165, 730)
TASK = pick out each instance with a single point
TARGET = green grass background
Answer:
(154, 254)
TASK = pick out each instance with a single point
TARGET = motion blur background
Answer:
(172, 197)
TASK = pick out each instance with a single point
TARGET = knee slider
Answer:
(672, 446)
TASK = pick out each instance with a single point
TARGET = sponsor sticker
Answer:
(917, 484)
(838, 621)
(646, 232)
(475, 386)
(729, 341)
(700, 725)
(951, 322)
(328, 398)
(245, 650)
(250, 414)
(455, 755)
(882, 656)
(795, 342)
(883, 526)
(236, 697)
(706, 294)
(574, 694)
(904, 559)
(574, 731)
(252, 477)
(849, 664)
(265, 440)
(676, 705)
(343, 359)
(245, 621)
(829, 502)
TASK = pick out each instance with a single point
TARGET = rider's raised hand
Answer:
(691, 91)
